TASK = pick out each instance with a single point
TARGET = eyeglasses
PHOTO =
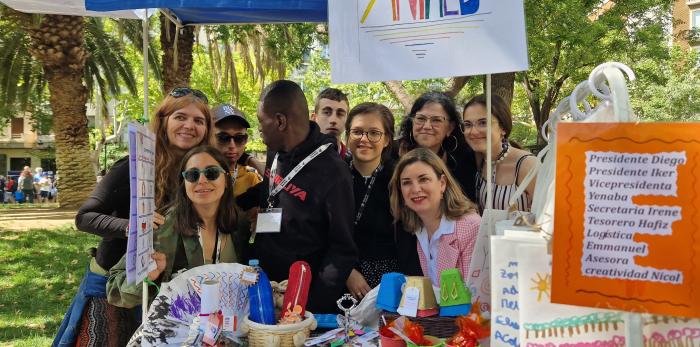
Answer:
(182, 91)
(238, 139)
(372, 135)
(421, 119)
(211, 174)
(479, 125)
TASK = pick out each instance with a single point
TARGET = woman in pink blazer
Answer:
(429, 202)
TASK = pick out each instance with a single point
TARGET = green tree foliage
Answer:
(568, 38)
(669, 91)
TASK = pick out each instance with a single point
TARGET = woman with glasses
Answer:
(198, 230)
(429, 203)
(510, 163)
(370, 132)
(434, 123)
(181, 122)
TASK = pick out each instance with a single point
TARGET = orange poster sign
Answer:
(627, 218)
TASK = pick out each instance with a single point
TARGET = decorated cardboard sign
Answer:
(412, 39)
(626, 224)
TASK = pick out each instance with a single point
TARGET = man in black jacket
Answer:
(317, 203)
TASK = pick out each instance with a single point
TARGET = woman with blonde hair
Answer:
(428, 202)
(181, 122)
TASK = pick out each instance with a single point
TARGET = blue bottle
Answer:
(262, 308)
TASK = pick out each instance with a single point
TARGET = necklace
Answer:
(494, 164)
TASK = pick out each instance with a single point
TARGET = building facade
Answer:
(686, 17)
(21, 146)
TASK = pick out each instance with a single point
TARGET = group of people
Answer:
(339, 191)
(28, 187)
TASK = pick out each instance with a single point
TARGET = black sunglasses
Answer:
(182, 91)
(225, 139)
(211, 173)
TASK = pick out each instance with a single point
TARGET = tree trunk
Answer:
(399, 91)
(456, 84)
(176, 68)
(502, 84)
(58, 43)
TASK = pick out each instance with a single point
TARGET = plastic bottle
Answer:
(262, 308)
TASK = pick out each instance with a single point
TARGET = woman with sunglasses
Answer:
(510, 163)
(198, 230)
(370, 132)
(434, 123)
(181, 122)
(429, 203)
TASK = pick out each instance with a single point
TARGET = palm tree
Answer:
(75, 56)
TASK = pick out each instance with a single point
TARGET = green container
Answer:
(452, 289)
(436, 342)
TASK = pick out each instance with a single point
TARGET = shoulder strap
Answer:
(517, 167)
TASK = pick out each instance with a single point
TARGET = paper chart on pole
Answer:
(627, 217)
(544, 323)
(142, 204)
(505, 310)
(415, 39)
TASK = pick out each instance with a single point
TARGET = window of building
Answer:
(48, 165)
(17, 127)
(18, 164)
(695, 18)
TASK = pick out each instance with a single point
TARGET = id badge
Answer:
(269, 221)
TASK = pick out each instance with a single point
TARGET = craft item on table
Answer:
(209, 302)
(346, 322)
(389, 296)
(278, 290)
(291, 316)
(325, 337)
(174, 313)
(472, 328)
(262, 308)
(327, 320)
(287, 335)
(455, 299)
(418, 298)
(428, 341)
(212, 329)
(297, 293)
(389, 337)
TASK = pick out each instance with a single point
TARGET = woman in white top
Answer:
(510, 163)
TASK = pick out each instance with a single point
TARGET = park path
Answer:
(20, 219)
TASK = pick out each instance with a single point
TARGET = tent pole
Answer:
(489, 159)
(144, 303)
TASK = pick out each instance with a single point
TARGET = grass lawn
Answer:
(40, 271)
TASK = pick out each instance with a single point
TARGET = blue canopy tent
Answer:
(187, 12)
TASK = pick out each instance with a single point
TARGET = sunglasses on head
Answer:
(238, 139)
(182, 91)
(211, 173)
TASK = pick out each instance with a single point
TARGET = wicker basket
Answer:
(287, 335)
(442, 327)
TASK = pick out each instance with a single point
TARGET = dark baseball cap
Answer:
(227, 111)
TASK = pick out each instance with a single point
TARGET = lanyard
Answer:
(274, 190)
(234, 176)
(369, 190)
(216, 256)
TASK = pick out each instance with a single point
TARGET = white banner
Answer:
(384, 40)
